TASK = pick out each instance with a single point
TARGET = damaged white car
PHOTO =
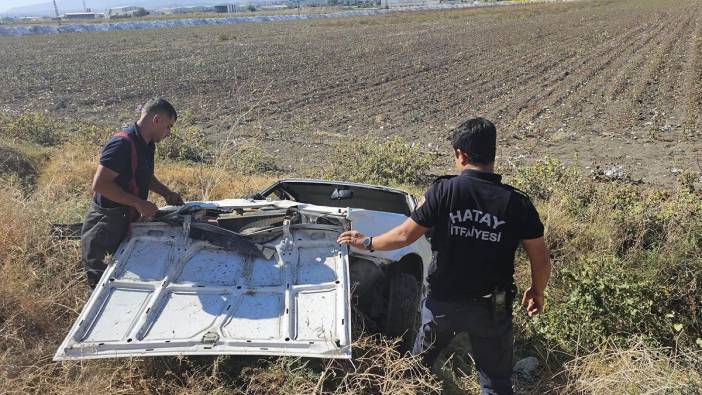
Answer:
(257, 276)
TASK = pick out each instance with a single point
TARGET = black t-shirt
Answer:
(478, 223)
(117, 156)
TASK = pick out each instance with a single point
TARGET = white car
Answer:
(256, 276)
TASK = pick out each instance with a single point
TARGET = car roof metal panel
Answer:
(166, 294)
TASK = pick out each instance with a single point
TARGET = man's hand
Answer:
(146, 209)
(533, 301)
(173, 198)
(352, 238)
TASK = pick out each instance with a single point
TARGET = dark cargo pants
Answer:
(103, 230)
(491, 340)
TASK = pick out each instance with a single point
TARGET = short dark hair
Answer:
(477, 138)
(159, 105)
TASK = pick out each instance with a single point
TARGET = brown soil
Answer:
(595, 83)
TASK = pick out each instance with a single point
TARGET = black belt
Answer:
(461, 298)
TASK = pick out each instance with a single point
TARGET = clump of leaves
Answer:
(249, 159)
(185, 143)
(33, 127)
(628, 258)
(91, 135)
(542, 178)
(602, 299)
(17, 163)
(377, 161)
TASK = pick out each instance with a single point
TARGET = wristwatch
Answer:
(368, 243)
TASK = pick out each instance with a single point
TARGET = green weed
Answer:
(31, 128)
(380, 162)
(185, 143)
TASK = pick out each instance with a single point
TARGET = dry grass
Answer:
(377, 368)
(636, 368)
(202, 182)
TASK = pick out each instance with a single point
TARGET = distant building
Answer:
(227, 8)
(247, 7)
(355, 2)
(318, 3)
(128, 11)
(273, 7)
(81, 15)
(312, 3)
(187, 9)
(195, 8)
(407, 3)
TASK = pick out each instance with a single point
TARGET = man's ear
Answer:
(156, 118)
(463, 158)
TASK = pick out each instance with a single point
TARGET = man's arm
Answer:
(540, 262)
(172, 198)
(104, 184)
(400, 236)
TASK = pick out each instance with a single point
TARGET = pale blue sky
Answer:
(7, 4)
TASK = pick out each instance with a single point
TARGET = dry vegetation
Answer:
(624, 304)
(621, 83)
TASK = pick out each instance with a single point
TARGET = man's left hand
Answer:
(533, 301)
(174, 199)
(352, 238)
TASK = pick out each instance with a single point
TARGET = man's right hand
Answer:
(146, 209)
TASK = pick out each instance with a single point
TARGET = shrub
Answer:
(541, 179)
(602, 298)
(90, 135)
(185, 143)
(31, 127)
(380, 162)
(627, 258)
(16, 163)
(249, 159)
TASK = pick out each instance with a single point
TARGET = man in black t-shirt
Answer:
(478, 224)
(122, 183)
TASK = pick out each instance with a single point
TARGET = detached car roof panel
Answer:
(166, 294)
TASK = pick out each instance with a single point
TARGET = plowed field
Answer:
(592, 82)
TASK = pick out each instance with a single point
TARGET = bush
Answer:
(603, 299)
(185, 143)
(16, 163)
(627, 259)
(541, 179)
(249, 159)
(375, 161)
(31, 128)
(90, 135)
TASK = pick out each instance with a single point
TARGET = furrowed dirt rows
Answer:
(594, 82)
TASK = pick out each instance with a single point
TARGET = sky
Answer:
(7, 4)
(47, 8)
